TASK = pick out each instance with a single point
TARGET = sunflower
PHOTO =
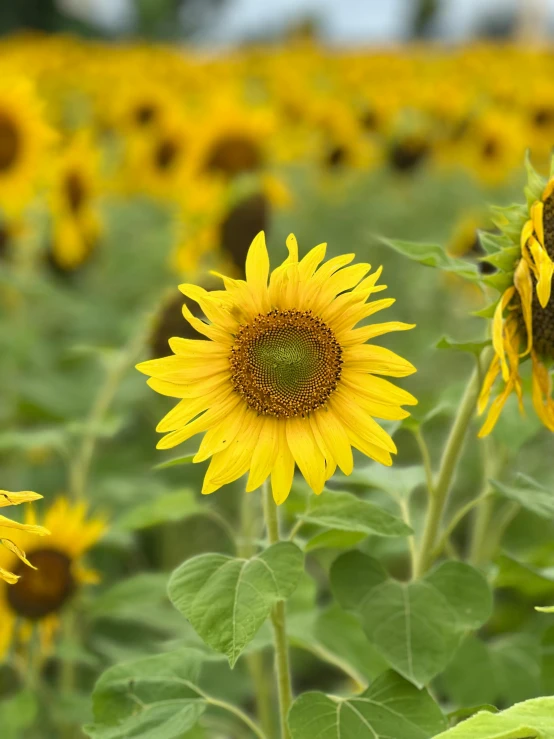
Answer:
(523, 321)
(286, 378)
(24, 142)
(76, 224)
(38, 596)
(7, 499)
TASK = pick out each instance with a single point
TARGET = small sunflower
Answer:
(523, 322)
(38, 595)
(75, 189)
(24, 143)
(285, 378)
(7, 499)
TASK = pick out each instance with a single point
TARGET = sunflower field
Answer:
(250, 497)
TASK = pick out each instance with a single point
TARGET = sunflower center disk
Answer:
(286, 363)
(9, 143)
(43, 591)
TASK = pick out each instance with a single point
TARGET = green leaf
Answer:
(470, 678)
(334, 539)
(340, 632)
(544, 609)
(390, 707)
(350, 513)
(531, 582)
(462, 713)
(175, 462)
(398, 481)
(473, 347)
(151, 698)
(433, 255)
(160, 509)
(227, 599)
(467, 592)
(533, 719)
(410, 625)
(529, 494)
(138, 591)
(17, 714)
(415, 626)
(353, 576)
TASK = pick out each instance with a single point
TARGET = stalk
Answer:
(278, 619)
(438, 494)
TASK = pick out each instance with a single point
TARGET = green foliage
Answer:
(152, 698)
(415, 626)
(533, 719)
(227, 599)
(347, 512)
(433, 255)
(391, 706)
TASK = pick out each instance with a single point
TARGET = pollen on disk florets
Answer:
(286, 363)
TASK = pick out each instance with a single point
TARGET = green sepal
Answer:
(473, 347)
(535, 183)
(499, 281)
(512, 215)
(503, 260)
(493, 242)
(487, 312)
(433, 255)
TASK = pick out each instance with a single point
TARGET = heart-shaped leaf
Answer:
(390, 707)
(151, 698)
(350, 513)
(227, 599)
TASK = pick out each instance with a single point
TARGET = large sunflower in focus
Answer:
(286, 378)
(523, 323)
(38, 595)
(24, 142)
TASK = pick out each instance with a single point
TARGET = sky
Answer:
(343, 21)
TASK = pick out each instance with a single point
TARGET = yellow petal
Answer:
(336, 438)
(282, 473)
(210, 417)
(377, 388)
(537, 218)
(365, 333)
(213, 332)
(306, 453)
(8, 577)
(378, 360)
(360, 421)
(219, 437)
(524, 286)
(265, 454)
(257, 265)
(488, 382)
(545, 269)
(370, 450)
(30, 528)
(498, 330)
(9, 544)
(25, 496)
(309, 263)
(495, 409)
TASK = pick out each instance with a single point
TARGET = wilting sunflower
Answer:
(24, 142)
(7, 499)
(523, 323)
(38, 596)
(286, 378)
(75, 189)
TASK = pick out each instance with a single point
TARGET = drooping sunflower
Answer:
(74, 204)
(286, 377)
(8, 499)
(25, 139)
(38, 596)
(523, 321)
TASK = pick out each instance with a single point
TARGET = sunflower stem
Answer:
(438, 494)
(255, 661)
(278, 620)
(79, 471)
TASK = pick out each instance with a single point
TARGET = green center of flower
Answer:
(43, 591)
(9, 142)
(286, 363)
